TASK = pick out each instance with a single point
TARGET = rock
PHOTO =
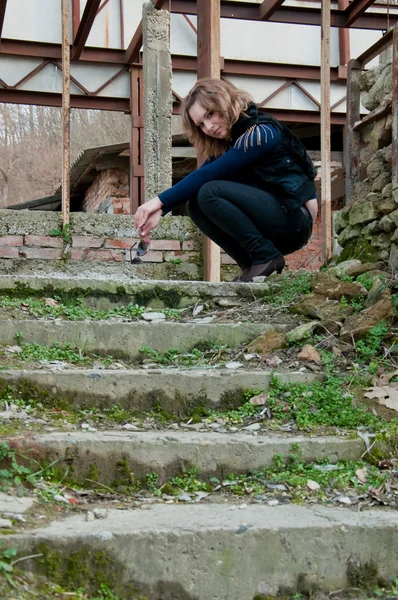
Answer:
(130, 427)
(233, 365)
(14, 503)
(378, 290)
(343, 500)
(267, 343)
(365, 210)
(301, 332)
(354, 271)
(5, 524)
(313, 485)
(228, 302)
(349, 233)
(386, 224)
(381, 240)
(89, 516)
(383, 179)
(333, 288)
(253, 427)
(387, 206)
(370, 228)
(394, 216)
(315, 306)
(62, 499)
(393, 258)
(310, 354)
(153, 316)
(387, 191)
(273, 502)
(375, 167)
(340, 219)
(100, 513)
(344, 268)
(358, 326)
(330, 326)
(184, 497)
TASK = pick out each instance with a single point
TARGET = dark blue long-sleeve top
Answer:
(230, 166)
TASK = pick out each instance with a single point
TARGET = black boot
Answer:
(266, 269)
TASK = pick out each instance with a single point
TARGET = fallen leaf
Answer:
(386, 395)
(313, 485)
(50, 302)
(362, 474)
(259, 400)
(309, 354)
(385, 379)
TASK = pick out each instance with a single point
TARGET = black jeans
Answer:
(248, 223)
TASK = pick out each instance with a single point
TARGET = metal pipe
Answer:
(65, 113)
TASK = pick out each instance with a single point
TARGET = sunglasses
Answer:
(140, 251)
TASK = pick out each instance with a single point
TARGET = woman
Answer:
(254, 195)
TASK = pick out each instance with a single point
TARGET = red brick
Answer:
(44, 241)
(227, 260)
(152, 256)
(77, 254)
(86, 241)
(11, 240)
(189, 245)
(10, 252)
(125, 243)
(165, 245)
(42, 253)
(114, 255)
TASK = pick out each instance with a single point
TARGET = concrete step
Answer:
(106, 291)
(170, 453)
(208, 552)
(174, 391)
(124, 340)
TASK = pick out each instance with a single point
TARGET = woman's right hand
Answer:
(144, 212)
(151, 223)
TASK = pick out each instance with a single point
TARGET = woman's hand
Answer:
(151, 223)
(144, 212)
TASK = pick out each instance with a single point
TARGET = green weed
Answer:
(291, 290)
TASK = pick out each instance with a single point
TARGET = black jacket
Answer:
(287, 172)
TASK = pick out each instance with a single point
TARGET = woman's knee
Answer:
(207, 192)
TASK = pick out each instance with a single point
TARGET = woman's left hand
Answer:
(144, 212)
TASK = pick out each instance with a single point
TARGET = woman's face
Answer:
(211, 123)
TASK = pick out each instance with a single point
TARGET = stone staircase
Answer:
(197, 545)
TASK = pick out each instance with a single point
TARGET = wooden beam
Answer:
(89, 14)
(268, 7)
(209, 66)
(326, 193)
(65, 113)
(133, 50)
(355, 9)
(3, 5)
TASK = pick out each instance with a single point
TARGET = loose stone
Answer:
(100, 513)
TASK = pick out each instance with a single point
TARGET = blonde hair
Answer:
(213, 95)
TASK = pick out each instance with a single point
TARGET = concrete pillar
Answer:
(157, 100)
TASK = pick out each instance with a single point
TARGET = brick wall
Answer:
(109, 193)
(88, 247)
